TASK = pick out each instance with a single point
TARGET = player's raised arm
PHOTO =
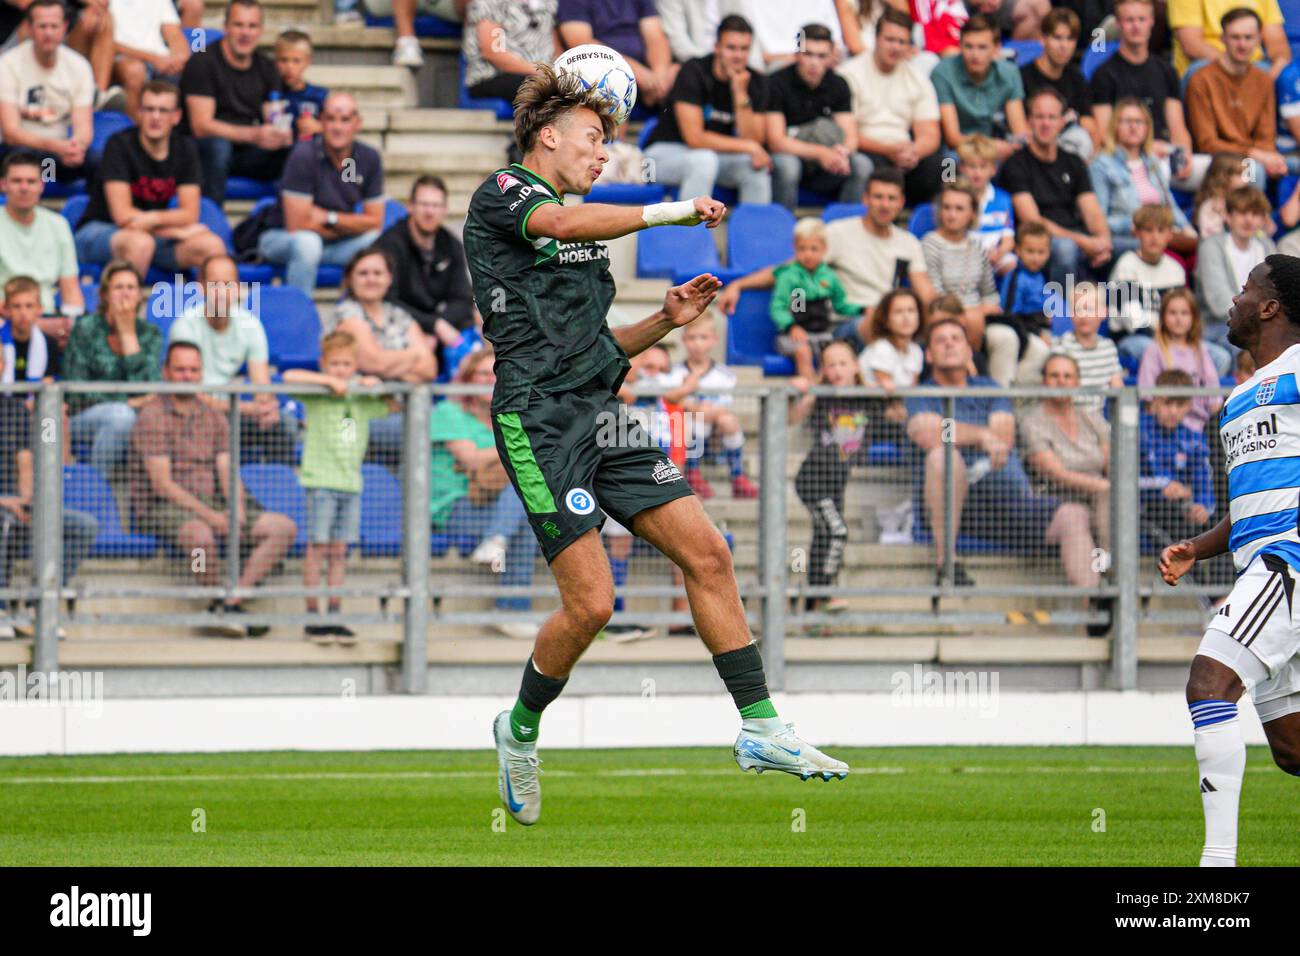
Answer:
(1177, 559)
(595, 222)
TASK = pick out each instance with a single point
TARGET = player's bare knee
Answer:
(590, 612)
(1211, 680)
(1287, 759)
(710, 560)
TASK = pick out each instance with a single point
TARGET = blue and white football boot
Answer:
(781, 749)
(517, 769)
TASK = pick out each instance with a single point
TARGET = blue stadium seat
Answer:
(1093, 59)
(200, 38)
(646, 129)
(1026, 51)
(626, 194)
(212, 216)
(240, 187)
(439, 544)
(751, 336)
(276, 488)
(502, 108)
(394, 212)
(381, 512)
(293, 329)
(85, 489)
(670, 251)
(105, 125)
(843, 210)
(1186, 201)
(922, 220)
(162, 308)
(426, 25)
(759, 236)
(73, 210)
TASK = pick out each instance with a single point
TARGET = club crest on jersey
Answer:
(1264, 394)
(664, 472)
(505, 181)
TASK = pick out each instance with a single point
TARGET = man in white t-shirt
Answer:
(47, 92)
(148, 45)
(870, 255)
(778, 28)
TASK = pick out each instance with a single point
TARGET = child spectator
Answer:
(957, 263)
(1024, 298)
(806, 297)
(1178, 345)
(1096, 357)
(1175, 484)
(1223, 262)
(703, 388)
(839, 440)
(1227, 172)
(894, 359)
(305, 101)
(1144, 275)
(995, 225)
(338, 427)
(27, 355)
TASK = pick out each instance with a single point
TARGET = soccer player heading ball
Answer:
(1252, 643)
(542, 282)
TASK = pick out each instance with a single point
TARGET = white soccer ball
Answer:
(605, 71)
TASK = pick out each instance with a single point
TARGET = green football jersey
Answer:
(544, 303)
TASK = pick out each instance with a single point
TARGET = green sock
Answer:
(761, 708)
(523, 722)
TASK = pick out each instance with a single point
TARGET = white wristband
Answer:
(680, 213)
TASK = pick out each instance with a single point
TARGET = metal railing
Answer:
(777, 596)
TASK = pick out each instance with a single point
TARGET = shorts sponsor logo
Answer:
(505, 181)
(550, 529)
(1264, 394)
(665, 471)
(580, 501)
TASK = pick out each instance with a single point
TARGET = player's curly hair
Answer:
(546, 96)
(1284, 275)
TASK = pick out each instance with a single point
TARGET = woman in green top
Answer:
(471, 494)
(115, 344)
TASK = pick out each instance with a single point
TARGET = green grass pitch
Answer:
(923, 805)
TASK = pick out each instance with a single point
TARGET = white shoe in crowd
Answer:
(407, 52)
(491, 551)
(519, 630)
(113, 98)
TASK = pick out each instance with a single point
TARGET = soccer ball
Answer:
(605, 71)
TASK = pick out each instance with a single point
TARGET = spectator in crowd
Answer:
(858, 19)
(1223, 262)
(229, 337)
(1290, 215)
(1288, 116)
(839, 440)
(940, 27)
(811, 132)
(27, 353)
(324, 180)
(503, 42)
(1176, 486)
(338, 427)
(303, 101)
(229, 93)
(1127, 175)
(472, 494)
(1024, 293)
(432, 277)
(149, 45)
(114, 344)
(390, 344)
(778, 26)
(191, 12)
(632, 28)
(956, 264)
(1141, 277)
(1049, 185)
(180, 488)
(1231, 105)
(712, 128)
(702, 388)
(1095, 357)
(19, 433)
(1055, 68)
(996, 220)
(895, 107)
(1016, 19)
(807, 297)
(987, 478)
(1067, 451)
(1134, 72)
(37, 242)
(1178, 345)
(893, 359)
(406, 51)
(145, 170)
(980, 93)
(691, 26)
(1200, 33)
(1226, 172)
(47, 93)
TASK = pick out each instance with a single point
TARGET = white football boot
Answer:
(517, 769)
(784, 751)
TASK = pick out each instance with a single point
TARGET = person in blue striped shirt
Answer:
(1252, 644)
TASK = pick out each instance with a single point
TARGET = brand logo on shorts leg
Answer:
(580, 501)
(551, 529)
(665, 471)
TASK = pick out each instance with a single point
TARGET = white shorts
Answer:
(1260, 616)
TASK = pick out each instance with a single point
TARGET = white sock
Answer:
(1221, 757)
(765, 726)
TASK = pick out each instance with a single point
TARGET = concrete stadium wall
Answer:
(905, 717)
